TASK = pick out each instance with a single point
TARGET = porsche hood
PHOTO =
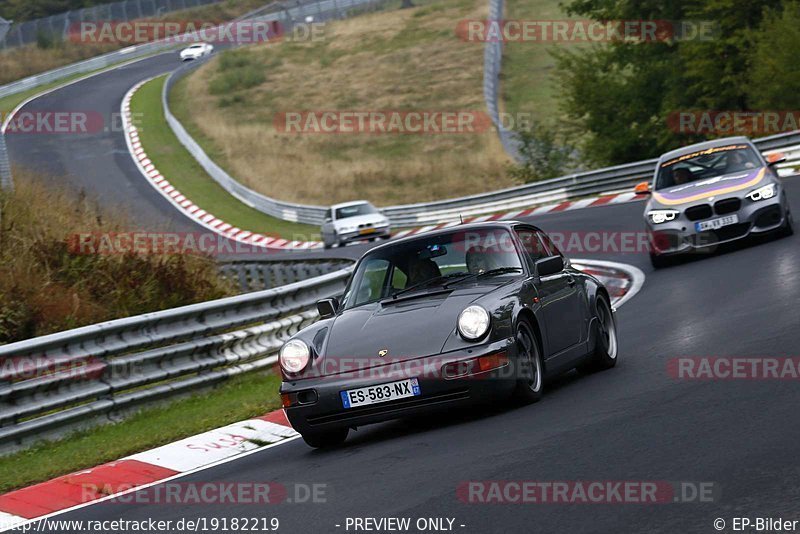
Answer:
(378, 334)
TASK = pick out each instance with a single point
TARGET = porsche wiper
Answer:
(490, 272)
(500, 270)
(426, 283)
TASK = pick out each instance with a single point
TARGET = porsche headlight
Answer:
(294, 356)
(661, 216)
(473, 322)
(762, 193)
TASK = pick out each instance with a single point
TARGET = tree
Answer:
(774, 80)
(623, 93)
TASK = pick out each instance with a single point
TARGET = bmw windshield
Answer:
(432, 262)
(706, 164)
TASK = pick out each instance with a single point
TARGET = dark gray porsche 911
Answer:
(473, 313)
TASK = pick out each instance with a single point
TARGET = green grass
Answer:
(528, 83)
(183, 171)
(240, 398)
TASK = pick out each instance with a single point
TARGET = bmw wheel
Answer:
(530, 379)
(788, 227)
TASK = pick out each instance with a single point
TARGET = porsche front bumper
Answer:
(318, 404)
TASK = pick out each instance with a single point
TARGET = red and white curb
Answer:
(183, 204)
(215, 224)
(568, 205)
(622, 281)
(144, 469)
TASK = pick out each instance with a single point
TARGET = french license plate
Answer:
(716, 224)
(366, 231)
(380, 393)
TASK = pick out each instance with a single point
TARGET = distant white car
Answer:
(354, 221)
(196, 51)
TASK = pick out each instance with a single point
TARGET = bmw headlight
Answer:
(294, 356)
(473, 322)
(762, 193)
(662, 216)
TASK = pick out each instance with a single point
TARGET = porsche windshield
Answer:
(432, 262)
(705, 164)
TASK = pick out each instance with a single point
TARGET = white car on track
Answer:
(196, 51)
(354, 221)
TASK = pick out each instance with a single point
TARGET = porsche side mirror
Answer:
(642, 188)
(774, 159)
(549, 265)
(327, 307)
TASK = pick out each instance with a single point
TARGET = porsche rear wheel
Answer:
(530, 379)
(326, 440)
(606, 347)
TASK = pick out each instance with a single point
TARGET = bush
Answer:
(45, 287)
(238, 70)
(544, 156)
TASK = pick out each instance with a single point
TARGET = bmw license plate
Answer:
(716, 224)
(366, 231)
(380, 393)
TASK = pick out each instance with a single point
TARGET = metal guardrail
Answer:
(54, 383)
(492, 66)
(6, 183)
(57, 27)
(259, 275)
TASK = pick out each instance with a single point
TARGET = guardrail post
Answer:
(6, 181)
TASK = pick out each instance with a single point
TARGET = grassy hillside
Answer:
(45, 287)
(402, 60)
(528, 83)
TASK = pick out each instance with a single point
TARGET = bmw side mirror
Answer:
(642, 188)
(550, 265)
(327, 307)
(774, 159)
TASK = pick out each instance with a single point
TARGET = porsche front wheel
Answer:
(530, 374)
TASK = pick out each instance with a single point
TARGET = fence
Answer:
(53, 383)
(492, 66)
(57, 27)
(258, 275)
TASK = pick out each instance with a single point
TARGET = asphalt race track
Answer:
(632, 423)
